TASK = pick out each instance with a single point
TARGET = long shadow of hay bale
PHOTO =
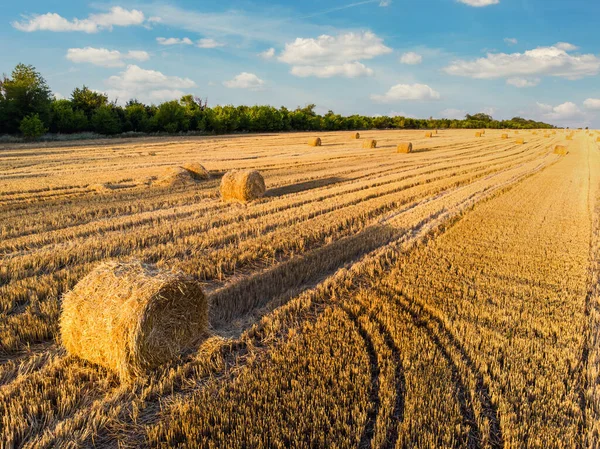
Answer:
(302, 186)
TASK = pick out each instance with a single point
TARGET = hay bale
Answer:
(482, 132)
(405, 147)
(569, 137)
(175, 177)
(355, 136)
(428, 134)
(478, 134)
(314, 142)
(597, 139)
(369, 143)
(560, 149)
(516, 132)
(505, 136)
(242, 185)
(132, 317)
(197, 171)
(520, 141)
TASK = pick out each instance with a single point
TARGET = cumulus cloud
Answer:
(174, 41)
(452, 113)
(401, 92)
(245, 80)
(411, 58)
(549, 61)
(104, 57)
(208, 43)
(523, 82)
(116, 16)
(592, 103)
(333, 55)
(347, 70)
(562, 112)
(479, 3)
(566, 46)
(149, 85)
(385, 3)
(267, 54)
(511, 41)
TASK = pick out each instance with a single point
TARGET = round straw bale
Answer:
(428, 134)
(355, 136)
(520, 141)
(315, 142)
(478, 134)
(569, 137)
(132, 317)
(560, 149)
(370, 143)
(597, 139)
(405, 147)
(242, 185)
(175, 177)
(482, 132)
(197, 171)
(505, 136)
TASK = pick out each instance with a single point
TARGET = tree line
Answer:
(28, 108)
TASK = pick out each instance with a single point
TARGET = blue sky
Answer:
(440, 58)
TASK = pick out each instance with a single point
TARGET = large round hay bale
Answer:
(314, 142)
(428, 134)
(355, 136)
(370, 143)
(478, 134)
(560, 149)
(597, 139)
(505, 136)
(242, 185)
(132, 317)
(520, 141)
(197, 171)
(405, 147)
(175, 177)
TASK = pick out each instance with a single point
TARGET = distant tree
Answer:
(136, 116)
(24, 94)
(106, 120)
(32, 127)
(87, 100)
(65, 120)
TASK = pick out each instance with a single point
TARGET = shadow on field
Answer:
(302, 186)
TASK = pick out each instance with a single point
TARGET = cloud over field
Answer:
(402, 92)
(104, 57)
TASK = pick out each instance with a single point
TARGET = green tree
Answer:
(136, 117)
(87, 100)
(106, 120)
(32, 127)
(170, 117)
(24, 94)
(65, 120)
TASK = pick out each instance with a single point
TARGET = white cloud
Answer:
(479, 3)
(550, 61)
(455, 114)
(116, 16)
(566, 46)
(511, 41)
(592, 103)
(562, 112)
(411, 58)
(490, 110)
(245, 80)
(174, 41)
(208, 43)
(401, 92)
(347, 70)
(104, 57)
(146, 85)
(333, 55)
(385, 3)
(523, 82)
(267, 54)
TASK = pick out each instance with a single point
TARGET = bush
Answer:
(32, 127)
(106, 121)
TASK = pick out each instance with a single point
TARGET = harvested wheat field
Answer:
(442, 297)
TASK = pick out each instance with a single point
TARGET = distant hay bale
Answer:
(132, 317)
(355, 136)
(482, 132)
(175, 177)
(436, 131)
(505, 136)
(428, 134)
(597, 139)
(560, 149)
(242, 185)
(478, 134)
(405, 147)
(520, 141)
(516, 132)
(314, 142)
(369, 143)
(197, 171)
(569, 137)
(546, 135)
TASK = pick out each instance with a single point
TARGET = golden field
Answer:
(446, 297)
